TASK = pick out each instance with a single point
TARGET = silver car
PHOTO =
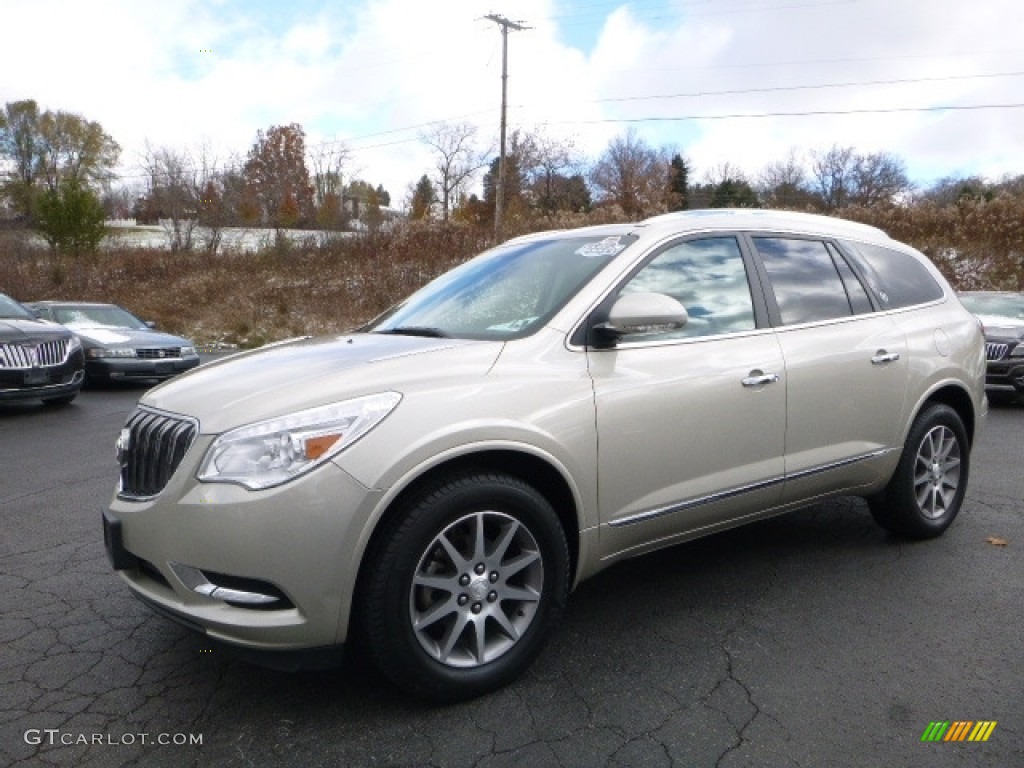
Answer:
(433, 485)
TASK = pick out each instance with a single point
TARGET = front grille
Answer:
(158, 354)
(42, 355)
(996, 351)
(150, 449)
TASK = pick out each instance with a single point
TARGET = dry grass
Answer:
(290, 290)
(245, 299)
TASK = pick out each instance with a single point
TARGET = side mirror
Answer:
(642, 313)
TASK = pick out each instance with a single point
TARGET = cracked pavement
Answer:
(813, 639)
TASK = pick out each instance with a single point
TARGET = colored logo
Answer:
(959, 730)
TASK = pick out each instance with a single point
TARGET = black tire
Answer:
(463, 587)
(925, 492)
(57, 402)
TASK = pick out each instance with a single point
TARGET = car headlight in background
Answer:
(274, 451)
(98, 352)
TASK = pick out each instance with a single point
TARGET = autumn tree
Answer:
(276, 172)
(45, 148)
(631, 174)
(19, 137)
(456, 160)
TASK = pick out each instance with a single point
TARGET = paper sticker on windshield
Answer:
(607, 247)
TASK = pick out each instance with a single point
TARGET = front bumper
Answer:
(60, 381)
(127, 368)
(205, 553)
(1006, 375)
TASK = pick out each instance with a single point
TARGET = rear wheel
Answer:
(464, 587)
(925, 493)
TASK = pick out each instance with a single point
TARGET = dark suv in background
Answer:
(1002, 316)
(38, 359)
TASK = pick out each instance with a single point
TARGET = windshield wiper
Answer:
(416, 330)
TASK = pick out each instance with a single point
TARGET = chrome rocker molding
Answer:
(671, 509)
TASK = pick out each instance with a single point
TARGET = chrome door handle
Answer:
(760, 379)
(883, 357)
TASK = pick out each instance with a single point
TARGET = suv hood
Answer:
(16, 329)
(296, 375)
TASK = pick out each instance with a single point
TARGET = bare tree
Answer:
(833, 172)
(785, 183)
(328, 163)
(555, 158)
(173, 193)
(456, 159)
(878, 178)
(631, 174)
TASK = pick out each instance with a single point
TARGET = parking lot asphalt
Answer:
(813, 639)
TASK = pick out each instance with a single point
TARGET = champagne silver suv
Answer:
(433, 485)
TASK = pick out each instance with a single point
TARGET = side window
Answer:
(804, 278)
(899, 279)
(707, 276)
(855, 292)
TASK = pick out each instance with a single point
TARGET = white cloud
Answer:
(180, 72)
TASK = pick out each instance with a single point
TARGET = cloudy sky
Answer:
(938, 82)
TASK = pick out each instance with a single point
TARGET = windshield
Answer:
(11, 309)
(1008, 308)
(504, 293)
(105, 315)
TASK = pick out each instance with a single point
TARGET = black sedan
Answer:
(119, 346)
(38, 360)
(1002, 316)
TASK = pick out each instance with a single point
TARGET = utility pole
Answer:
(499, 195)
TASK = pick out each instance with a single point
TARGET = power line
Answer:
(809, 113)
(783, 88)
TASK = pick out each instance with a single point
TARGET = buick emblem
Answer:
(123, 445)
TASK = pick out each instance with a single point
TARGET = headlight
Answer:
(187, 351)
(96, 352)
(76, 343)
(274, 451)
(1018, 351)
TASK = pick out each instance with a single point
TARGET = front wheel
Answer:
(926, 490)
(464, 586)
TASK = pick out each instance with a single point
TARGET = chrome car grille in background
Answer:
(995, 350)
(158, 354)
(150, 448)
(41, 355)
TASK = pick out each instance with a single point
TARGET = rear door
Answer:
(846, 366)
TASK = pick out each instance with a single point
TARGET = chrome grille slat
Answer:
(165, 353)
(44, 354)
(996, 351)
(157, 444)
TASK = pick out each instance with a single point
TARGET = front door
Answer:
(691, 424)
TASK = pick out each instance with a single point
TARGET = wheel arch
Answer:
(957, 398)
(543, 475)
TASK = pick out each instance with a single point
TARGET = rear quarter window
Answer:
(897, 278)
